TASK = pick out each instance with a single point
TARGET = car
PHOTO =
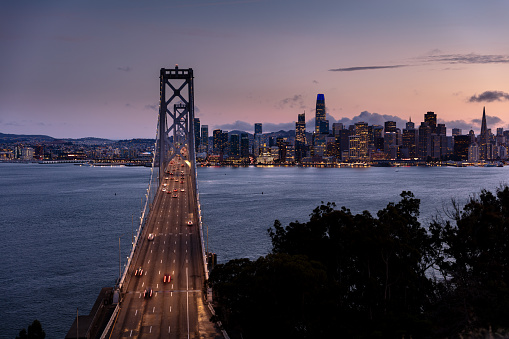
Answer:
(182, 181)
(182, 190)
(182, 165)
(151, 236)
(175, 190)
(138, 272)
(165, 184)
(176, 180)
(189, 223)
(175, 196)
(147, 293)
(164, 189)
(166, 278)
(169, 192)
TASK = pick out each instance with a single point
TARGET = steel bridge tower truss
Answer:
(176, 108)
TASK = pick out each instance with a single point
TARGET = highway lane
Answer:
(176, 308)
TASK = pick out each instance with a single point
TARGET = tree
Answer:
(276, 296)
(475, 262)
(35, 331)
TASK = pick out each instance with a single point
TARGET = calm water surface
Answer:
(61, 223)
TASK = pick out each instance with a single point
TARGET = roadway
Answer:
(176, 308)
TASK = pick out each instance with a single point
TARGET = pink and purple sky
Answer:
(72, 69)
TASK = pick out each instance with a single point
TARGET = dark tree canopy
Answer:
(35, 331)
(364, 276)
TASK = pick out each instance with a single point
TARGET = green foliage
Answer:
(475, 262)
(364, 276)
(35, 331)
(277, 296)
(378, 264)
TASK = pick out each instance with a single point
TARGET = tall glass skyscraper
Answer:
(321, 127)
(300, 137)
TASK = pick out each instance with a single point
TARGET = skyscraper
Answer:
(257, 139)
(204, 142)
(320, 115)
(217, 141)
(197, 134)
(258, 128)
(361, 130)
(431, 119)
(300, 137)
(483, 138)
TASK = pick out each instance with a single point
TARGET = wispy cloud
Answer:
(489, 96)
(471, 58)
(293, 102)
(125, 69)
(365, 68)
(154, 107)
(436, 57)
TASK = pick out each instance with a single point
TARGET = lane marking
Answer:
(135, 313)
(153, 311)
(131, 333)
(150, 329)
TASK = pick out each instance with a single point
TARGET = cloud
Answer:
(490, 121)
(125, 69)
(364, 68)
(237, 125)
(489, 96)
(373, 119)
(436, 56)
(294, 102)
(152, 107)
(470, 58)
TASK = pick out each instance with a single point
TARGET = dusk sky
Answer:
(72, 69)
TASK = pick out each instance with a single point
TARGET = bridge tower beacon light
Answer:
(176, 118)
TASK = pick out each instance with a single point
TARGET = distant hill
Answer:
(13, 138)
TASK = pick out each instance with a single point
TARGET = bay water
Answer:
(61, 224)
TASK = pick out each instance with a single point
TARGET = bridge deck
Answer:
(176, 308)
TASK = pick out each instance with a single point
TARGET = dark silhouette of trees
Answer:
(386, 276)
(35, 331)
(475, 263)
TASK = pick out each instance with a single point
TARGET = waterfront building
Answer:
(473, 152)
(390, 136)
(27, 153)
(217, 141)
(257, 139)
(461, 144)
(234, 146)
(410, 142)
(204, 140)
(361, 130)
(321, 127)
(300, 137)
(354, 142)
(424, 149)
(244, 145)
(319, 145)
(197, 138)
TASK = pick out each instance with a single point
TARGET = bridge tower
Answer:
(176, 109)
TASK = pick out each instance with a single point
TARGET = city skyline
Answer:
(91, 69)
